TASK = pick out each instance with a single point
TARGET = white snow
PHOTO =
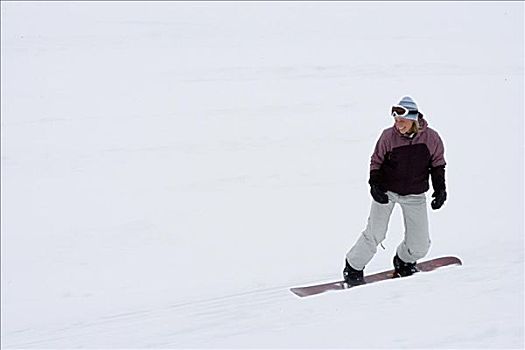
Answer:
(170, 170)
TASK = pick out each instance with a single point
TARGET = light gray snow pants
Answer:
(416, 242)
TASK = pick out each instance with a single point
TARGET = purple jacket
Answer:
(402, 164)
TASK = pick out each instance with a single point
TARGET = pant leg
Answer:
(417, 239)
(366, 246)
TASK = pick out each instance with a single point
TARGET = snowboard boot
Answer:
(352, 276)
(403, 269)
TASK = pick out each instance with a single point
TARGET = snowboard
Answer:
(424, 266)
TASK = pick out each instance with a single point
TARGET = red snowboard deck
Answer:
(424, 266)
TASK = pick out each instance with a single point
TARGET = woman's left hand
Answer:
(440, 196)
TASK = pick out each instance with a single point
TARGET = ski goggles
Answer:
(400, 111)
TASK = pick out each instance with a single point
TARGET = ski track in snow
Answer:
(164, 324)
(233, 319)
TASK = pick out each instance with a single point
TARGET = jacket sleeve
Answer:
(438, 156)
(437, 170)
(437, 174)
(377, 159)
(379, 152)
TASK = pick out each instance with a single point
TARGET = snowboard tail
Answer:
(424, 266)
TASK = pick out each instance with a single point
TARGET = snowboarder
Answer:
(404, 157)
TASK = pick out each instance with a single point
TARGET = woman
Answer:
(405, 156)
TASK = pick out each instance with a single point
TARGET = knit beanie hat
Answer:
(409, 104)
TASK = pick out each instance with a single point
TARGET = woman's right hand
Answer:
(378, 194)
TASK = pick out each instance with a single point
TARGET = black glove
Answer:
(376, 190)
(440, 196)
(378, 194)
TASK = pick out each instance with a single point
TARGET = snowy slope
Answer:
(169, 170)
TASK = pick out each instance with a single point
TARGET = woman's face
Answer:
(403, 125)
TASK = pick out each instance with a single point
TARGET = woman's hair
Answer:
(415, 127)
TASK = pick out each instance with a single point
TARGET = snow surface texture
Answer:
(169, 170)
